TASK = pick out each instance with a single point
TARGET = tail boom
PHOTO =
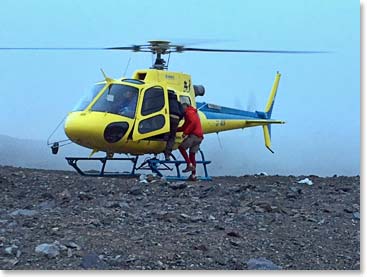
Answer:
(221, 125)
(216, 118)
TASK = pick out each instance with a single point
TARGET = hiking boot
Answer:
(188, 168)
(192, 178)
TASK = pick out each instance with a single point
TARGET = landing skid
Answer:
(102, 173)
(155, 165)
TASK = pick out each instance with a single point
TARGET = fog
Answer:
(318, 95)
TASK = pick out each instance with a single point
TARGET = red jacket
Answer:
(192, 123)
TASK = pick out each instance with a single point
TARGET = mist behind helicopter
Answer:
(318, 95)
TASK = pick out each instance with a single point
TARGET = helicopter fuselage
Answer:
(132, 115)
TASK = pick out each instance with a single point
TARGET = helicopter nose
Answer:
(77, 128)
(95, 128)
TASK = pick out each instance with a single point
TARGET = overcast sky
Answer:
(318, 95)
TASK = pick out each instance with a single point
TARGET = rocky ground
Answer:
(60, 220)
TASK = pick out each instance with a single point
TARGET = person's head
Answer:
(128, 94)
(185, 105)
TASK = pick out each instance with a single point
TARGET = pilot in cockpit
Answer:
(128, 104)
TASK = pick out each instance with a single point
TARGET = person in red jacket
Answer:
(193, 136)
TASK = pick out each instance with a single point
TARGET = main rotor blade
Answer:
(69, 48)
(252, 51)
(168, 48)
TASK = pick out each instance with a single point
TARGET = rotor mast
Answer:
(159, 48)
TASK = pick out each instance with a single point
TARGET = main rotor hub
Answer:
(159, 46)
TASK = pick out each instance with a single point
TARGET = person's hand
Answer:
(123, 110)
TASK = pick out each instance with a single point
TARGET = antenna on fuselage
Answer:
(108, 79)
(127, 66)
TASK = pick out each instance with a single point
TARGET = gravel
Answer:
(238, 223)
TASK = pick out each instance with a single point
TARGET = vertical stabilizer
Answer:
(273, 93)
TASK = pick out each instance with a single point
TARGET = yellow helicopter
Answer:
(131, 115)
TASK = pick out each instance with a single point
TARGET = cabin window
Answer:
(118, 99)
(153, 101)
(151, 124)
(133, 81)
(88, 97)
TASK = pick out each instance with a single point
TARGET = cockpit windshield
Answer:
(118, 99)
(88, 97)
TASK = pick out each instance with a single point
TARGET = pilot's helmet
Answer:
(128, 93)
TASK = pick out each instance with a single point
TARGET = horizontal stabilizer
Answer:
(264, 121)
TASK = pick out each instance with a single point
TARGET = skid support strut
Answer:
(157, 166)
(74, 160)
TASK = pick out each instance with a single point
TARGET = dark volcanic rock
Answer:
(229, 223)
(262, 264)
(92, 261)
(50, 250)
(178, 185)
(136, 190)
(233, 234)
(23, 212)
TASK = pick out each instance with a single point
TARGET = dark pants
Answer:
(171, 136)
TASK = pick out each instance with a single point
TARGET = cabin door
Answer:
(152, 117)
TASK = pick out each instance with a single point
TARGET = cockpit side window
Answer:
(88, 98)
(118, 99)
(153, 101)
